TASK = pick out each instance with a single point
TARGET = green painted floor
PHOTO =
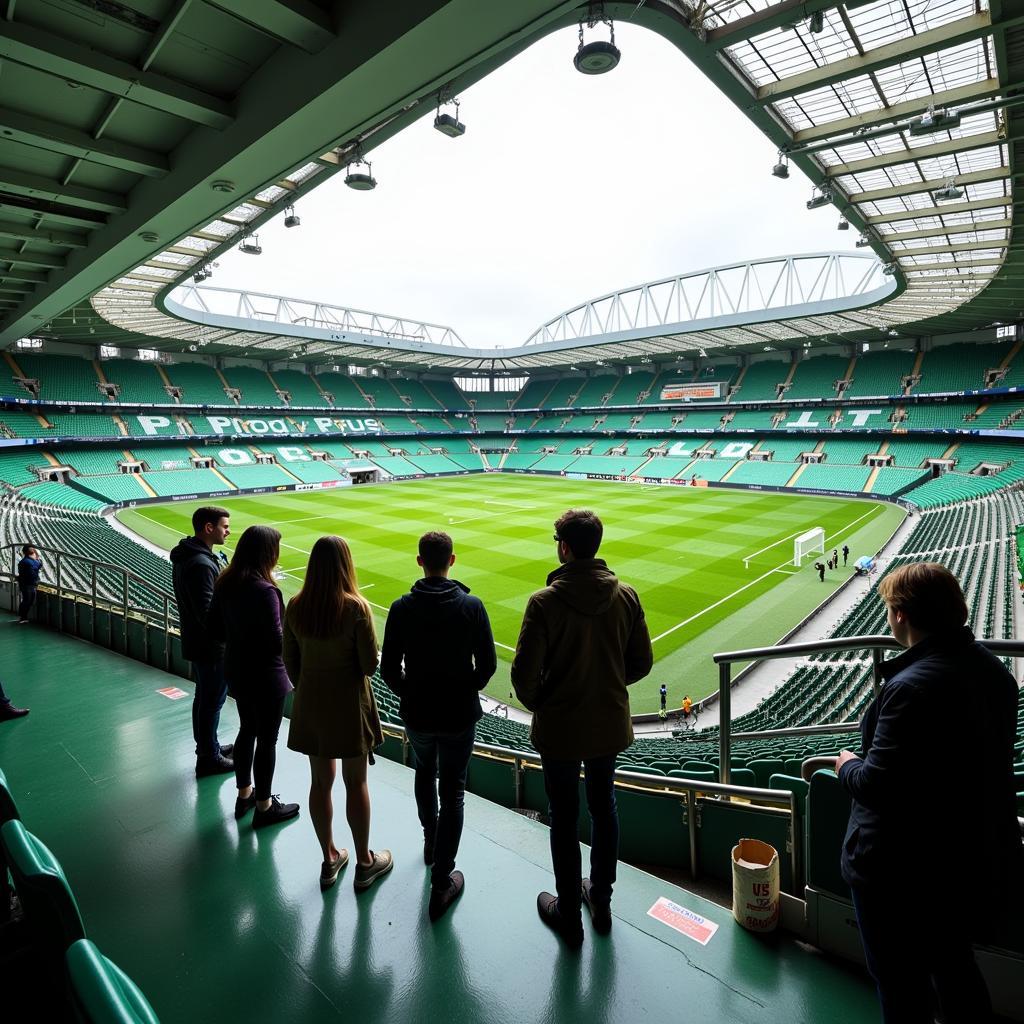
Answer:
(217, 923)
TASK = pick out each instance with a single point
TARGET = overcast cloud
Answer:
(563, 188)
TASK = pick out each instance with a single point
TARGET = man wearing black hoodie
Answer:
(195, 570)
(443, 636)
(584, 639)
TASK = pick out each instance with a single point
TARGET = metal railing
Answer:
(768, 800)
(875, 644)
(63, 574)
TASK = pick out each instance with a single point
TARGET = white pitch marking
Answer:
(748, 558)
(746, 586)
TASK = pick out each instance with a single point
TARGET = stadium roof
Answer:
(144, 138)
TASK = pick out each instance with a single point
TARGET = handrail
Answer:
(875, 643)
(663, 786)
(57, 559)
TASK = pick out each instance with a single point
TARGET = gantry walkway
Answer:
(216, 922)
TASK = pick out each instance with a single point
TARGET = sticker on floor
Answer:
(698, 928)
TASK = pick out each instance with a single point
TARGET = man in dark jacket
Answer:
(908, 888)
(443, 636)
(195, 569)
(28, 581)
(584, 639)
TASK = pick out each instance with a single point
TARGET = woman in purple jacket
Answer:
(246, 613)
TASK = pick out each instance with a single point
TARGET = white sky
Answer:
(564, 187)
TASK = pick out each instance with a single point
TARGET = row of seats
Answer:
(44, 941)
(958, 367)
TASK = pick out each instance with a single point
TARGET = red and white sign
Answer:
(172, 692)
(698, 928)
(684, 392)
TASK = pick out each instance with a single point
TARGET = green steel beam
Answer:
(30, 233)
(297, 22)
(41, 133)
(778, 15)
(45, 51)
(36, 186)
(31, 259)
(16, 273)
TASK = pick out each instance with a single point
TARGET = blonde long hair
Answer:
(330, 582)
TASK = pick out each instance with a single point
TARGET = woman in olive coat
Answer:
(330, 650)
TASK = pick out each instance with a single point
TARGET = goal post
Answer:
(808, 543)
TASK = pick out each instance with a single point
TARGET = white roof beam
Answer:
(969, 178)
(941, 211)
(955, 229)
(909, 156)
(930, 250)
(778, 15)
(952, 34)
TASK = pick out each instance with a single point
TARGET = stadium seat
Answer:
(742, 777)
(101, 992)
(764, 769)
(792, 784)
(828, 813)
(51, 911)
(8, 808)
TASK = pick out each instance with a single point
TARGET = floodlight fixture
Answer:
(933, 120)
(291, 218)
(449, 124)
(781, 168)
(361, 181)
(948, 192)
(843, 225)
(819, 199)
(599, 56)
(863, 242)
(817, 22)
(250, 245)
(889, 269)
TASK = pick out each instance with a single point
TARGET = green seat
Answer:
(101, 992)
(51, 911)
(764, 769)
(709, 775)
(793, 785)
(741, 777)
(644, 769)
(700, 766)
(828, 813)
(8, 808)
(665, 766)
(791, 766)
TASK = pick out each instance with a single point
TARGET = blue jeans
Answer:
(445, 760)
(211, 692)
(562, 783)
(915, 955)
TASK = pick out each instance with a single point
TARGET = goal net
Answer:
(808, 543)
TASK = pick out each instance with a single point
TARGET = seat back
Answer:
(101, 992)
(51, 911)
(828, 813)
(764, 768)
(8, 808)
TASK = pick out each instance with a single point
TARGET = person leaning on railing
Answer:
(926, 882)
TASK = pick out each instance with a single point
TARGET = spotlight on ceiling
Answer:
(844, 224)
(361, 181)
(291, 218)
(822, 198)
(889, 269)
(817, 22)
(948, 192)
(863, 242)
(449, 124)
(251, 246)
(933, 120)
(781, 168)
(596, 57)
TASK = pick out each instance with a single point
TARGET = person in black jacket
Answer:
(443, 636)
(195, 569)
(920, 902)
(28, 581)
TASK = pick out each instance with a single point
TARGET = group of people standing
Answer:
(833, 562)
(584, 639)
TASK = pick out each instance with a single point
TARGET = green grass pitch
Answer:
(682, 548)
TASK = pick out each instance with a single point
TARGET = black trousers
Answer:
(255, 753)
(28, 598)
